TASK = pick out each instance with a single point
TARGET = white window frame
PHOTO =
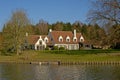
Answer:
(46, 40)
(67, 39)
(60, 39)
(74, 39)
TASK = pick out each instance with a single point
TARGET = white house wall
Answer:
(38, 44)
(68, 46)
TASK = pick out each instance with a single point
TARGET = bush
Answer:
(5, 53)
(61, 48)
(55, 48)
(47, 48)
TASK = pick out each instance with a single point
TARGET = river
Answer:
(59, 72)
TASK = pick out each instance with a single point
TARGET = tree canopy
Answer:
(14, 31)
(107, 13)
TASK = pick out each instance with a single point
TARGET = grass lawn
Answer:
(64, 56)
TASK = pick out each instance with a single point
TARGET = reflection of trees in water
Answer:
(103, 72)
(16, 72)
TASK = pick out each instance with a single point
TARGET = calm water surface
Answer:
(54, 72)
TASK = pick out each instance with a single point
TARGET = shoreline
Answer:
(63, 63)
(63, 58)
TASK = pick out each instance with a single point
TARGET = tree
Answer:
(105, 11)
(58, 26)
(114, 37)
(94, 34)
(42, 27)
(14, 31)
(67, 26)
(77, 25)
(1, 39)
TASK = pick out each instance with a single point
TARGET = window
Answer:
(46, 40)
(60, 39)
(81, 40)
(40, 42)
(87, 46)
(75, 40)
(67, 39)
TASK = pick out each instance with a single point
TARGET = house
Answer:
(37, 42)
(67, 39)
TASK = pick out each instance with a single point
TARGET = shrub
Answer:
(47, 48)
(55, 48)
(61, 48)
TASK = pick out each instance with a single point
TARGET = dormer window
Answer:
(46, 40)
(81, 39)
(74, 39)
(67, 39)
(60, 39)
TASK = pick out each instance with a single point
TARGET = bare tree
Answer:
(105, 11)
(42, 27)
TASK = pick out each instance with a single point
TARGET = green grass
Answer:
(81, 52)
(65, 56)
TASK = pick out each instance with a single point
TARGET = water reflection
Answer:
(54, 72)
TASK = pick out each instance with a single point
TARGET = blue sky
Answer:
(48, 10)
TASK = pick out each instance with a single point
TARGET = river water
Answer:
(62, 72)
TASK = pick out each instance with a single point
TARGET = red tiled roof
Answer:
(64, 34)
(32, 39)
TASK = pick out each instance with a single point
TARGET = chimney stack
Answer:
(26, 34)
(74, 32)
(50, 30)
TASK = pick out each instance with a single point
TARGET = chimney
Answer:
(26, 34)
(40, 37)
(50, 30)
(74, 33)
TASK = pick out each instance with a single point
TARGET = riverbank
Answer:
(64, 57)
(64, 63)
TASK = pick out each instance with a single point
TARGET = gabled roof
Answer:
(64, 34)
(32, 39)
